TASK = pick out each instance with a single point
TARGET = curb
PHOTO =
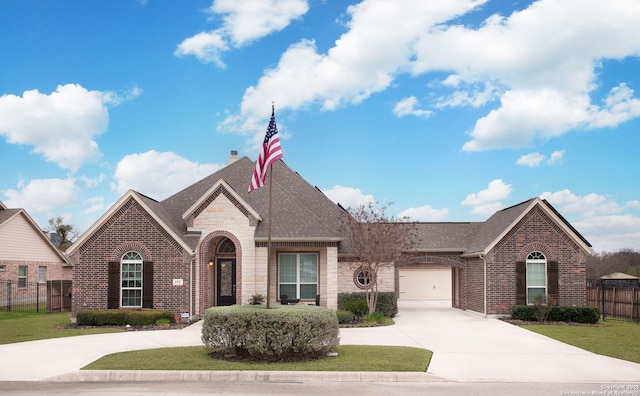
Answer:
(241, 376)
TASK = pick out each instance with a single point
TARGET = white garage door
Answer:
(425, 284)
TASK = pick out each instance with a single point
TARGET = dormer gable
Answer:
(219, 188)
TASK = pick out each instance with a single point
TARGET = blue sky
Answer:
(450, 109)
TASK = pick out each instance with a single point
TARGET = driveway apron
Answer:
(469, 347)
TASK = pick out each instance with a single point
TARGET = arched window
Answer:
(536, 278)
(131, 280)
(226, 247)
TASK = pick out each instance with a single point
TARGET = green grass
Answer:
(29, 326)
(350, 358)
(613, 339)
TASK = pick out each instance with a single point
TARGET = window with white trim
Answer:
(298, 275)
(536, 277)
(42, 274)
(22, 276)
(131, 280)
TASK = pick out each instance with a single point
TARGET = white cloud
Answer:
(364, 60)
(243, 23)
(607, 225)
(407, 106)
(158, 175)
(532, 160)
(488, 201)
(42, 196)
(62, 126)
(206, 46)
(556, 157)
(536, 159)
(348, 197)
(424, 213)
(540, 62)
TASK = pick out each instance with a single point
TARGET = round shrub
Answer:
(283, 333)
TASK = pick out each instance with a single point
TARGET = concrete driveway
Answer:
(469, 347)
(466, 347)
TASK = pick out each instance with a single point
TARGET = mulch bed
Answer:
(173, 326)
(548, 322)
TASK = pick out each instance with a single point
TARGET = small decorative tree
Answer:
(376, 240)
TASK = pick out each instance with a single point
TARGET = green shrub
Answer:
(358, 308)
(356, 302)
(345, 317)
(528, 313)
(282, 333)
(122, 317)
(376, 317)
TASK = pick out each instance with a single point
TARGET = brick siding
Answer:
(131, 228)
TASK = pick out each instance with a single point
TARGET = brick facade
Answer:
(536, 231)
(131, 229)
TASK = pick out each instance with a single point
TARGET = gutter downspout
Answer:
(484, 262)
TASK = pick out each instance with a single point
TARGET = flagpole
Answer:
(269, 239)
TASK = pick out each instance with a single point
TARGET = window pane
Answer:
(288, 290)
(288, 271)
(536, 275)
(308, 291)
(532, 293)
(309, 268)
(22, 270)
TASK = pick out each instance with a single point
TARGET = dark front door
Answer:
(226, 282)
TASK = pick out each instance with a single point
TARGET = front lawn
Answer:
(350, 358)
(613, 339)
(29, 326)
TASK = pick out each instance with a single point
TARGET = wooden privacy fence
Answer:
(615, 302)
(19, 296)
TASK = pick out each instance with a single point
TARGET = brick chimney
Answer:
(233, 157)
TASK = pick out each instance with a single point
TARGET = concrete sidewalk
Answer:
(466, 347)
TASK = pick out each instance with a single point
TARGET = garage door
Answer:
(425, 284)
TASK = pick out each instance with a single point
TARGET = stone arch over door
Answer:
(207, 252)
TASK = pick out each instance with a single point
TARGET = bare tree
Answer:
(376, 240)
(66, 232)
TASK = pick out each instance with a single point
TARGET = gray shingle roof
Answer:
(300, 211)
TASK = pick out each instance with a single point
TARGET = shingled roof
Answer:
(300, 211)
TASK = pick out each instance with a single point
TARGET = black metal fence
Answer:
(19, 296)
(617, 300)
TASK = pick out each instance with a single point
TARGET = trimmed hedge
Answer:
(295, 332)
(122, 317)
(528, 313)
(387, 303)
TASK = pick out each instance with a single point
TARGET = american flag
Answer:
(270, 153)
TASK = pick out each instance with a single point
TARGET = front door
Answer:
(226, 282)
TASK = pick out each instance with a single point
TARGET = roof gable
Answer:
(13, 219)
(502, 222)
(218, 188)
(152, 207)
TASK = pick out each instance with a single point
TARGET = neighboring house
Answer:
(207, 246)
(620, 279)
(26, 253)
